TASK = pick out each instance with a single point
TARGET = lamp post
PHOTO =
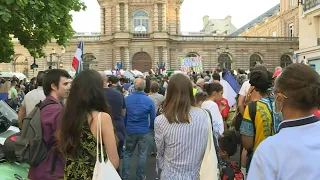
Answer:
(52, 52)
(63, 50)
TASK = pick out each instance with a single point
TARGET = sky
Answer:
(192, 11)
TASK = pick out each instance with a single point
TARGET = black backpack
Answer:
(30, 147)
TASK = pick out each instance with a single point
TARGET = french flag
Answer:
(78, 58)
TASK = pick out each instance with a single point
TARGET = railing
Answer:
(235, 38)
(309, 4)
(88, 38)
(141, 35)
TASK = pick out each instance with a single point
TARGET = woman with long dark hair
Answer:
(78, 129)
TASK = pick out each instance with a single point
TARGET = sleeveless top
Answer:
(82, 165)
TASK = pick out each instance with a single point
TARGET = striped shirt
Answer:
(181, 147)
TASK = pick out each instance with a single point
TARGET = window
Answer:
(255, 59)
(285, 61)
(225, 61)
(291, 30)
(291, 3)
(140, 21)
(274, 33)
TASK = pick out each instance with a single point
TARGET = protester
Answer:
(78, 130)
(55, 87)
(181, 132)
(293, 152)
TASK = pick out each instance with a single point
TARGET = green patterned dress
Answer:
(82, 166)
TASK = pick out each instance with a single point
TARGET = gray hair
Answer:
(139, 84)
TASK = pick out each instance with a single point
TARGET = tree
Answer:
(35, 23)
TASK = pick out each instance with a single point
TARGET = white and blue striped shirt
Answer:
(181, 147)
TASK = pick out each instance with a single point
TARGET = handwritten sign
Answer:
(191, 63)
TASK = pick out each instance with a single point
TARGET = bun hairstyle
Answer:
(212, 87)
(229, 142)
(301, 84)
(261, 80)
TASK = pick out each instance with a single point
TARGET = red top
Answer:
(316, 112)
(226, 110)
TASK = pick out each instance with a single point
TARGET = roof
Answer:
(257, 20)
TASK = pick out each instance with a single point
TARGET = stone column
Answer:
(164, 17)
(126, 17)
(126, 58)
(165, 57)
(155, 17)
(178, 21)
(102, 20)
(117, 17)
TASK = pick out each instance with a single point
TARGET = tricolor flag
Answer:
(78, 58)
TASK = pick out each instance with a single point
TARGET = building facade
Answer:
(143, 34)
(280, 21)
(218, 27)
(309, 33)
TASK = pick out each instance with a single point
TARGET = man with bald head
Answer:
(139, 108)
(118, 110)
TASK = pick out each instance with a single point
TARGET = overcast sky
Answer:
(192, 11)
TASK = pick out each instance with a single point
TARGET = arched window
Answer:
(255, 59)
(88, 60)
(224, 60)
(285, 61)
(140, 21)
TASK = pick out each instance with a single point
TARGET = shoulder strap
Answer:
(252, 110)
(43, 104)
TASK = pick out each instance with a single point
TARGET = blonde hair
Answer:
(5, 87)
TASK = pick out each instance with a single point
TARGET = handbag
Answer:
(209, 166)
(103, 170)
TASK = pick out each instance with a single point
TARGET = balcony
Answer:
(86, 38)
(310, 4)
(140, 35)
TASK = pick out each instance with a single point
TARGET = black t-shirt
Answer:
(116, 102)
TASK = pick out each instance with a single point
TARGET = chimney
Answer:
(205, 20)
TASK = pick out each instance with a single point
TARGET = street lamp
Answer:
(52, 52)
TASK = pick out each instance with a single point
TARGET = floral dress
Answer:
(82, 166)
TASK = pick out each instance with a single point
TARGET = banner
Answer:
(191, 64)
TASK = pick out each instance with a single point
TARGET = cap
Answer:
(277, 73)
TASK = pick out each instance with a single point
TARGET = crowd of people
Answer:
(271, 118)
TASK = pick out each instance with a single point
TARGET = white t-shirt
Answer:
(245, 88)
(217, 121)
(32, 98)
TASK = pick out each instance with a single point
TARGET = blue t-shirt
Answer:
(116, 102)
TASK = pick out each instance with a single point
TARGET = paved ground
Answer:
(151, 165)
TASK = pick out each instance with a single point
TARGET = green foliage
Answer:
(35, 23)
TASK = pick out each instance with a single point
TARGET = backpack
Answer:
(30, 147)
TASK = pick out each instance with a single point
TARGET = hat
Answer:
(277, 73)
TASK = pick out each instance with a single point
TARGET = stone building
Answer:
(280, 21)
(141, 34)
(220, 27)
(309, 33)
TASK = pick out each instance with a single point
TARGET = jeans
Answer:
(151, 142)
(130, 145)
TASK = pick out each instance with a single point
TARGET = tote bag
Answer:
(209, 165)
(103, 170)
